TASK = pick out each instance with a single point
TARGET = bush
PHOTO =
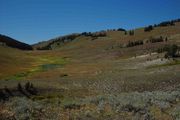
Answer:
(175, 113)
(8, 91)
(171, 50)
(72, 106)
(63, 75)
(2, 95)
(24, 108)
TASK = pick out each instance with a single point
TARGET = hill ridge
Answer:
(8, 41)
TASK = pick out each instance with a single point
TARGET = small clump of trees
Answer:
(142, 42)
(134, 43)
(131, 32)
(27, 88)
(170, 51)
(121, 29)
(86, 34)
(166, 23)
(155, 40)
(162, 24)
(30, 88)
(96, 34)
(148, 29)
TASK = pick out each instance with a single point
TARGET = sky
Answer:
(32, 21)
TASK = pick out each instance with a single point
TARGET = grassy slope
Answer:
(12, 61)
(88, 58)
(94, 61)
(94, 69)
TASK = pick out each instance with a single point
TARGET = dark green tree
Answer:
(27, 86)
(125, 32)
(148, 29)
(131, 32)
(19, 87)
(171, 50)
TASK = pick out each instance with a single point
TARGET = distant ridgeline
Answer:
(60, 41)
(7, 41)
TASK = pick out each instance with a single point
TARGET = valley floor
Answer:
(105, 86)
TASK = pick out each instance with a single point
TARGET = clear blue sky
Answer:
(32, 21)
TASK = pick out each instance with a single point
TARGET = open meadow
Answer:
(94, 78)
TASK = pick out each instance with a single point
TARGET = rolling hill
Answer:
(117, 37)
(7, 41)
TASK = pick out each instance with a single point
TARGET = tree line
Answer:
(162, 24)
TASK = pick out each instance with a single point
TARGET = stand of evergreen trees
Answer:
(171, 50)
(148, 29)
(135, 43)
(162, 24)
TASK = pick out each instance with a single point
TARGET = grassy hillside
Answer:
(102, 75)
(115, 37)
